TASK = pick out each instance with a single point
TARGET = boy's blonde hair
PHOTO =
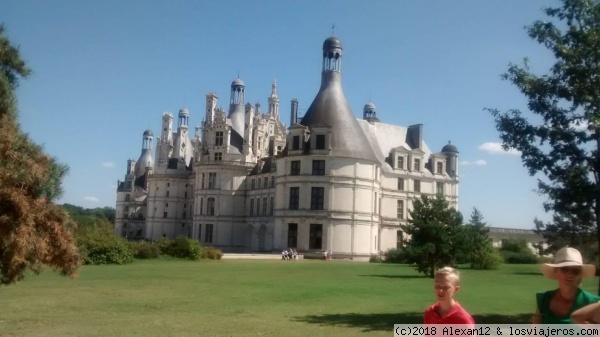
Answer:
(449, 272)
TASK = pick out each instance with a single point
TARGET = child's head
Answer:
(446, 284)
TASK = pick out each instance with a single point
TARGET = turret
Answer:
(294, 112)
(146, 159)
(211, 105)
(274, 101)
(236, 106)
(451, 153)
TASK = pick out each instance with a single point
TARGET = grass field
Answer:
(253, 298)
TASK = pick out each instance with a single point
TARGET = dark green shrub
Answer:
(515, 251)
(375, 259)
(395, 255)
(184, 248)
(211, 253)
(163, 245)
(101, 246)
(488, 258)
(146, 250)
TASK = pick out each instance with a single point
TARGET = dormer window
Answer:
(296, 143)
(320, 142)
(218, 156)
(417, 164)
(400, 163)
(440, 167)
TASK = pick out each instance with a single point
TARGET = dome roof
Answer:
(237, 82)
(148, 133)
(184, 111)
(449, 148)
(332, 42)
(369, 106)
(145, 160)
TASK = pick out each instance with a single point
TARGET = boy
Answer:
(446, 310)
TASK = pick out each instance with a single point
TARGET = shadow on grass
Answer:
(386, 321)
(397, 276)
(528, 273)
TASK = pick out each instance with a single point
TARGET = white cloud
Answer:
(479, 162)
(92, 199)
(496, 148)
(581, 125)
(108, 164)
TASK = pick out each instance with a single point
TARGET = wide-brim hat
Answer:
(568, 257)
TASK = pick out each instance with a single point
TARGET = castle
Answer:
(243, 182)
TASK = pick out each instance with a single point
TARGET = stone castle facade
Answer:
(245, 182)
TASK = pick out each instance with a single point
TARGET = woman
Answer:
(556, 306)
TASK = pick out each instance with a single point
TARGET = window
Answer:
(258, 206)
(400, 184)
(258, 183)
(184, 205)
(251, 207)
(167, 194)
(439, 188)
(210, 206)
(440, 167)
(272, 205)
(212, 178)
(218, 156)
(199, 232)
(124, 230)
(208, 235)
(202, 182)
(295, 168)
(400, 209)
(399, 239)
(219, 138)
(166, 204)
(272, 181)
(165, 214)
(185, 195)
(318, 168)
(266, 182)
(201, 206)
(400, 163)
(375, 209)
(316, 236)
(296, 143)
(417, 186)
(292, 235)
(252, 184)
(264, 210)
(417, 164)
(184, 215)
(316, 198)
(126, 210)
(168, 184)
(320, 142)
(294, 197)
(127, 196)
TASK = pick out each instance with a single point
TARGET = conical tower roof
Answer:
(331, 108)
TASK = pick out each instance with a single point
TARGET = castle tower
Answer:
(274, 101)
(330, 107)
(236, 106)
(146, 159)
(211, 104)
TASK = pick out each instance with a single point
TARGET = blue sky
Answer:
(104, 71)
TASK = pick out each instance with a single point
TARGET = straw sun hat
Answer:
(568, 257)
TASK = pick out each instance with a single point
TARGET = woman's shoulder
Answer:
(588, 297)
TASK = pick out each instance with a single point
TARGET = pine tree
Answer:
(33, 230)
(437, 237)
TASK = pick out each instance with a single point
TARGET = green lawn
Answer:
(253, 298)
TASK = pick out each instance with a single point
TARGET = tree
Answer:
(478, 239)
(436, 234)
(564, 146)
(33, 230)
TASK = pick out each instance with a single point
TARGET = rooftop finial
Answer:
(333, 30)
